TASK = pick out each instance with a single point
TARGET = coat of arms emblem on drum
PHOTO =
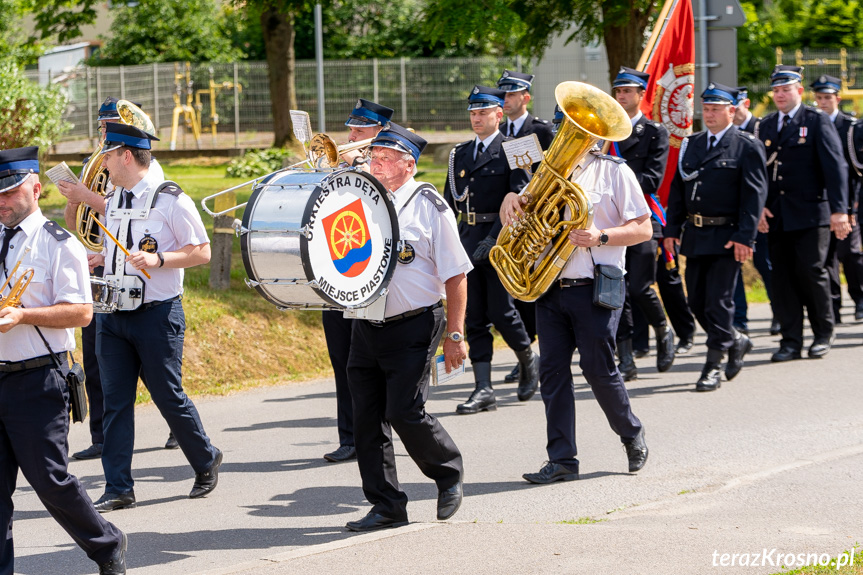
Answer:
(348, 238)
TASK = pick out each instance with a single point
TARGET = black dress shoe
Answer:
(552, 472)
(482, 399)
(112, 501)
(710, 379)
(684, 346)
(117, 564)
(821, 346)
(207, 480)
(741, 346)
(374, 521)
(775, 328)
(172, 442)
(664, 351)
(636, 452)
(448, 501)
(512, 376)
(92, 452)
(343, 453)
(785, 354)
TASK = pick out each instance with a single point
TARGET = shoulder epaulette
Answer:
(540, 120)
(615, 159)
(744, 134)
(463, 144)
(56, 231)
(170, 188)
(429, 193)
(656, 124)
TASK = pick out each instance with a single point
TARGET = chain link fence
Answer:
(234, 99)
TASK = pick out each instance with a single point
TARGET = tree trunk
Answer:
(278, 29)
(624, 42)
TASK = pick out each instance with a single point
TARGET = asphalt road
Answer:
(769, 464)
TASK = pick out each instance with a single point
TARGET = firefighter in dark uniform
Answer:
(645, 152)
(479, 178)
(746, 121)
(34, 396)
(855, 153)
(365, 121)
(807, 200)
(519, 123)
(714, 204)
(391, 361)
(846, 251)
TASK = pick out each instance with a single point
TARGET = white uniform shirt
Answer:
(60, 275)
(437, 253)
(174, 222)
(617, 198)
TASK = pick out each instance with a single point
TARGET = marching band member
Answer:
(714, 204)
(806, 201)
(391, 361)
(365, 121)
(479, 178)
(162, 229)
(34, 408)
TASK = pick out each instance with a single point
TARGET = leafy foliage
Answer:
(167, 31)
(30, 115)
(13, 43)
(258, 162)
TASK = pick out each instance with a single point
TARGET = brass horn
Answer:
(590, 115)
(14, 297)
(95, 177)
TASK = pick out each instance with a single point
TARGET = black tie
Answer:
(8, 234)
(711, 141)
(479, 149)
(511, 130)
(127, 195)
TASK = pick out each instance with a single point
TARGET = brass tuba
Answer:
(95, 176)
(590, 115)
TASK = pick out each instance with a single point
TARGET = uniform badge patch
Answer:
(461, 174)
(767, 143)
(148, 244)
(407, 254)
(639, 129)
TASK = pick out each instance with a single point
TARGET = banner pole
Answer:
(658, 30)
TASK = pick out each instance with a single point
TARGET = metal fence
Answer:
(426, 94)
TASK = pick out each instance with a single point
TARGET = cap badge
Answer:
(505, 74)
(359, 105)
(822, 80)
(475, 90)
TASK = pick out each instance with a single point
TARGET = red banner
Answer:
(670, 93)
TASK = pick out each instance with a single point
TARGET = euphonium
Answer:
(590, 115)
(95, 177)
(13, 299)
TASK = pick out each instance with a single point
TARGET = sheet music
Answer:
(302, 125)
(523, 152)
(62, 173)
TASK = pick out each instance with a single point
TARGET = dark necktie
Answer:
(479, 148)
(711, 141)
(8, 234)
(511, 130)
(127, 198)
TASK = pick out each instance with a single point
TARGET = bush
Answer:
(258, 163)
(30, 115)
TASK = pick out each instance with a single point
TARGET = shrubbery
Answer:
(258, 163)
(30, 115)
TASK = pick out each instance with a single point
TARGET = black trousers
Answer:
(710, 282)
(527, 311)
(93, 382)
(673, 299)
(34, 428)
(489, 303)
(761, 260)
(640, 277)
(567, 319)
(848, 252)
(337, 331)
(388, 373)
(800, 280)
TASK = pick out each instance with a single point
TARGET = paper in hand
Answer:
(62, 173)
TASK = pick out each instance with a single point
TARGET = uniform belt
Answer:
(701, 221)
(149, 304)
(406, 314)
(473, 218)
(577, 282)
(33, 363)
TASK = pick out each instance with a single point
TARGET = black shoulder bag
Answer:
(608, 285)
(75, 378)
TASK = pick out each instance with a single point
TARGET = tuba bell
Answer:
(95, 176)
(531, 253)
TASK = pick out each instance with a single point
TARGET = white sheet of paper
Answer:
(439, 374)
(302, 125)
(523, 152)
(62, 173)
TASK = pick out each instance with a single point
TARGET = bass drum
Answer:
(319, 240)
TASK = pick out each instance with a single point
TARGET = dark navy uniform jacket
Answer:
(808, 177)
(857, 161)
(753, 124)
(646, 152)
(731, 182)
(843, 124)
(533, 125)
(488, 181)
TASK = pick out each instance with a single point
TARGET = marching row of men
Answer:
(788, 180)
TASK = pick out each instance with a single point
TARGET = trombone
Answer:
(323, 154)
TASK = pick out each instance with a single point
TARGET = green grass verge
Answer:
(580, 521)
(848, 565)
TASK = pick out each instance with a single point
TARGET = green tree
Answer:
(30, 115)
(167, 31)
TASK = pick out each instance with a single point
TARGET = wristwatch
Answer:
(455, 336)
(603, 237)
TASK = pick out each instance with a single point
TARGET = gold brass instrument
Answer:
(14, 297)
(116, 241)
(95, 177)
(590, 115)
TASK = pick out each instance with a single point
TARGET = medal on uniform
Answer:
(148, 244)
(803, 131)
(461, 174)
(767, 143)
(407, 253)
